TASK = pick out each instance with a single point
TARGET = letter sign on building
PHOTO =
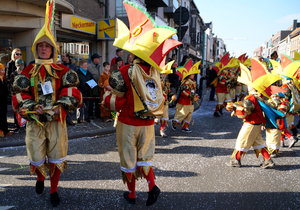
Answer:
(78, 24)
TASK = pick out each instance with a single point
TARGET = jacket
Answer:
(95, 71)
(84, 88)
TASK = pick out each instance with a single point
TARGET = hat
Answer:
(2, 66)
(188, 69)
(19, 62)
(45, 34)
(144, 38)
(95, 56)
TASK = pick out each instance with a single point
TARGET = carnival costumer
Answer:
(288, 69)
(44, 93)
(186, 95)
(137, 94)
(221, 83)
(164, 120)
(251, 111)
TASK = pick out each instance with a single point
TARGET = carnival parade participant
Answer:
(186, 95)
(164, 120)
(290, 82)
(222, 82)
(275, 125)
(44, 93)
(137, 94)
(250, 110)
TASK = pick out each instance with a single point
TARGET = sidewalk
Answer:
(95, 128)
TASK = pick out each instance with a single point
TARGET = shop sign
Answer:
(78, 24)
(106, 29)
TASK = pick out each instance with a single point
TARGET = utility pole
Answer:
(179, 34)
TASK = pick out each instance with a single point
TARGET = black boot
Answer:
(54, 199)
(130, 201)
(216, 114)
(39, 187)
(153, 195)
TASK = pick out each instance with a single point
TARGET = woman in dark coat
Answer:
(3, 105)
(84, 75)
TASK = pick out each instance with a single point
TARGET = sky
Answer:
(246, 25)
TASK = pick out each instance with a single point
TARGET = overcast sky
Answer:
(245, 25)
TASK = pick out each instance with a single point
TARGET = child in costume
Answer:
(104, 86)
(250, 110)
(186, 95)
(3, 105)
(136, 93)
(164, 120)
(222, 83)
(44, 93)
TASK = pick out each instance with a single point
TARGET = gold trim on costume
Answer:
(117, 93)
(53, 83)
(41, 168)
(112, 102)
(19, 98)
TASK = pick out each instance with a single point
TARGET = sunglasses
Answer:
(18, 54)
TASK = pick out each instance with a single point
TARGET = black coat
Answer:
(84, 88)
(3, 106)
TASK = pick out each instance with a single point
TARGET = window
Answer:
(5, 50)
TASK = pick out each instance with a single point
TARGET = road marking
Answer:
(6, 207)
(5, 185)
(94, 124)
(19, 168)
(4, 169)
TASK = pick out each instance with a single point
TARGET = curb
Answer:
(103, 131)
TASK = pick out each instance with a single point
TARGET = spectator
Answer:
(129, 59)
(184, 60)
(58, 61)
(70, 63)
(95, 69)
(174, 80)
(117, 65)
(104, 86)
(119, 53)
(86, 91)
(3, 105)
(20, 65)
(212, 75)
(11, 67)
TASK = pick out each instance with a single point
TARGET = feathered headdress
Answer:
(259, 78)
(45, 34)
(188, 69)
(144, 38)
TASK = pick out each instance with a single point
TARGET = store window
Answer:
(77, 50)
(5, 50)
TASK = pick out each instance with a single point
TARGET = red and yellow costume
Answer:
(250, 110)
(46, 134)
(137, 94)
(187, 95)
(164, 120)
(222, 83)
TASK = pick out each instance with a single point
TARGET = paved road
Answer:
(190, 170)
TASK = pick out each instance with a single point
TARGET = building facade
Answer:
(74, 27)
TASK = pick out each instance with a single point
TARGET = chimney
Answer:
(294, 24)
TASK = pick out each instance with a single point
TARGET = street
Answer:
(190, 170)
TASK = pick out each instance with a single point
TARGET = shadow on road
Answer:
(24, 197)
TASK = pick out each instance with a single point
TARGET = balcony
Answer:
(169, 10)
(157, 3)
(160, 21)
